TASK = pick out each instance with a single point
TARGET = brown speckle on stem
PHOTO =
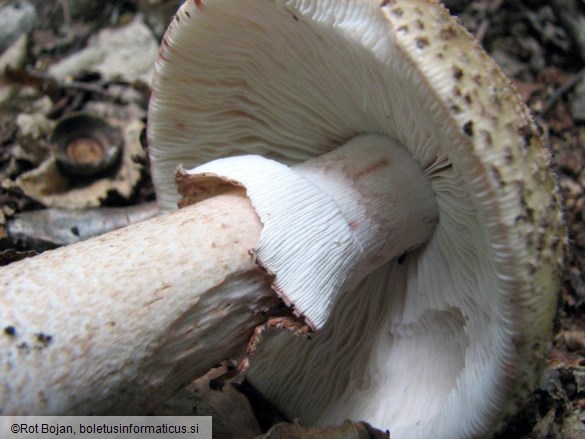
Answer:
(44, 339)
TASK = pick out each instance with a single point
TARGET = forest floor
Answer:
(539, 44)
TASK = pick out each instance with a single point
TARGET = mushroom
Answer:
(437, 337)
(392, 189)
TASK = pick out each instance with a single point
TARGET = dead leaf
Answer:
(232, 414)
(126, 53)
(347, 430)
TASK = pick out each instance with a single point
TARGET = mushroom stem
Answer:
(115, 324)
(332, 220)
(383, 193)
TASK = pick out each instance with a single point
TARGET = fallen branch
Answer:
(51, 228)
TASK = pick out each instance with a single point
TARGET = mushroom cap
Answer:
(447, 341)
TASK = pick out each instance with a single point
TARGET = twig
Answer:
(572, 18)
(484, 25)
(50, 228)
(66, 11)
(562, 90)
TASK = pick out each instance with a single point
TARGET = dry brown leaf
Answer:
(347, 430)
(232, 414)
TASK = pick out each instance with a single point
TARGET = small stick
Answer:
(572, 18)
(483, 27)
(66, 11)
(562, 90)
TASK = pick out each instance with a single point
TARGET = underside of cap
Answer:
(449, 339)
